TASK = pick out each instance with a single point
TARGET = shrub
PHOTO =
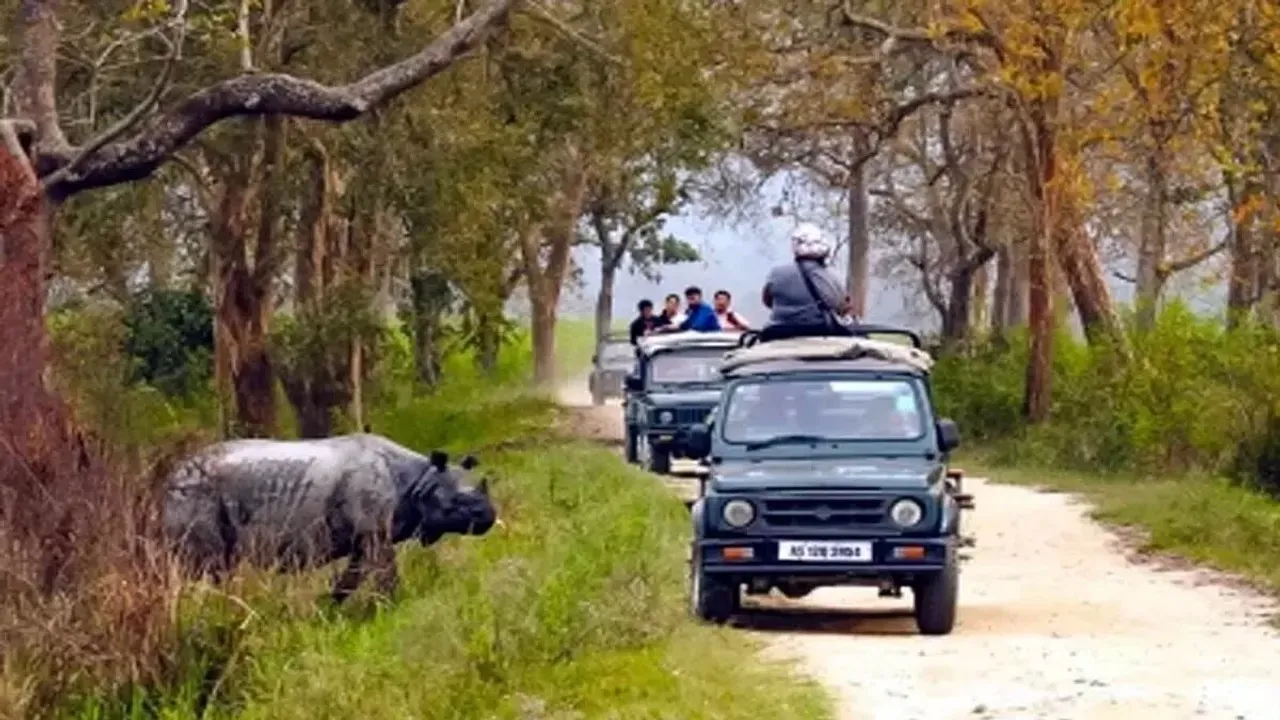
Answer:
(1193, 397)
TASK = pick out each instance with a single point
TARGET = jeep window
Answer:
(618, 355)
(861, 409)
(700, 365)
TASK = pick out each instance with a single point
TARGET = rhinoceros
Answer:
(301, 504)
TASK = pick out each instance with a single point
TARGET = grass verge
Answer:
(1206, 520)
(575, 610)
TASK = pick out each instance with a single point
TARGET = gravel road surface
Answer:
(1057, 620)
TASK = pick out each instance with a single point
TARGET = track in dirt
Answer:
(1055, 622)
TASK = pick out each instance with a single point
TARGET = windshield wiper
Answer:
(780, 439)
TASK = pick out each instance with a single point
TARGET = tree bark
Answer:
(859, 238)
(1040, 151)
(431, 299)
(546, 281)
(604, 300)
(1242, 278)
(1153, 243)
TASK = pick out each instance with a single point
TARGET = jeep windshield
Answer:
(781, 411)
(695, 366)
(617, 356)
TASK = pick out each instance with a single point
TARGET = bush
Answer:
(1195, 397)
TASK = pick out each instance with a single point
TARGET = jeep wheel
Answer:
(659, 461)
(711, 599)
(935, 597)
(631, 451)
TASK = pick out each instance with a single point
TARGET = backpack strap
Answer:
(828, 314)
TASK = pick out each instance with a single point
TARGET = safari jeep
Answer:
(675, 385)
(613, 360)
(827, 467)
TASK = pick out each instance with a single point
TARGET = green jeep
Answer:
(675, 385)
(828, 466)
(614, 358)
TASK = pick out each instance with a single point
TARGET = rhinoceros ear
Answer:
(469, 462)
(439, 460)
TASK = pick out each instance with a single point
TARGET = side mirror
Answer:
(948, 435)
(634, 383)
(699, 441)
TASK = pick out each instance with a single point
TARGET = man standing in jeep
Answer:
(729, 318)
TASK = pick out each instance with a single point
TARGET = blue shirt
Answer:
(701, 318)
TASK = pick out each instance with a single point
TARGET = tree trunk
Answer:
(241, 318)
(1040, 149)
(979, 316)
(431, 299)
(1082, 271)
(859, 240)
(545, 282)
(544, 341)
(1000, 297)
(604, 299)
(1242, 291)
(1152, 245)
(955, 321)
(488, 341)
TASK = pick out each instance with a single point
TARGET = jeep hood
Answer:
(828, 474)
(701, 396)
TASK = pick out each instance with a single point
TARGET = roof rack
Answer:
(664, 341)
(827, 348)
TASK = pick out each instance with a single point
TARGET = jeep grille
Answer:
(825, 512)
(684, 415)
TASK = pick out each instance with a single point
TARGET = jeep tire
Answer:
(935, 597)
(659, 461)
(711, 599)
(631, 450)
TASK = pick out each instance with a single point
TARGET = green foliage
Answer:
(100, 381)
(170, 333)
(1196, 397)
(576, 608)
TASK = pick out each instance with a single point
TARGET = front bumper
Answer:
(758, 557)
(673, 441)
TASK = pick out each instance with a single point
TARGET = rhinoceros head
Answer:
(449, 503)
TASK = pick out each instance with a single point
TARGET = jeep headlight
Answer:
(906, 513)
(666, 417)
(738, 513)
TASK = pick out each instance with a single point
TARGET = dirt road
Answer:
(1055, 622)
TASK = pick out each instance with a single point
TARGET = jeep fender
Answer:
(696, 513)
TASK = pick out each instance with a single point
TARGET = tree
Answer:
(45, 168)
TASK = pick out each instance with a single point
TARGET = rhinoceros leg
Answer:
(371, 556)
(386, 576)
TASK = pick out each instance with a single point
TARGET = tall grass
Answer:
(574, 610)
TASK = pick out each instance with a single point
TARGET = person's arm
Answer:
(832, 292)
(738, 321)
(766, 296)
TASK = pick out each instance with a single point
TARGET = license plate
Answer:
(819, 551)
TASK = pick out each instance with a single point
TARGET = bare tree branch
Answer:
(179, 25)
(138, 156)
(1174, 267)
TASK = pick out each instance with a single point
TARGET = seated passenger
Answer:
(804, 297)
(699, 317)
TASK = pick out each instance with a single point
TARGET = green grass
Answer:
(1210, 521)
(575, 610)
